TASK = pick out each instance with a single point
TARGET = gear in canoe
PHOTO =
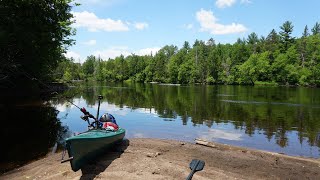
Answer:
(102, 134)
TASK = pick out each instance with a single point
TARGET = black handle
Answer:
(66, 160)
(191, 174)
(100, 97)
(193, 170)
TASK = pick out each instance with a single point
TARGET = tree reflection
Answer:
(28, 131)
(274, 110)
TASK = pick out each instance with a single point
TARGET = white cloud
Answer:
(72, 54)
(141, 25)
(224, 3)
(90, 42)
(147, 51)
(214, 134)
(114, 52)
(229, 3)
(93, 23)
(147, 111)
(209, 23)
(245, 2)
(61, 107)
(189, 26)
(86, 3)
(111, 108)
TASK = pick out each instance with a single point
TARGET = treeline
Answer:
(278, 58)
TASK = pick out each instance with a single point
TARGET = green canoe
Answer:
(88, 145)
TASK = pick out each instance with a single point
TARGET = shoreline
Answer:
(145, 158)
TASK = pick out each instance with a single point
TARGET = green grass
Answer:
(263, 83)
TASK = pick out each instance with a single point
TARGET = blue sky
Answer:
(108, 28)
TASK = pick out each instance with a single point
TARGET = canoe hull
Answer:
(90, 144)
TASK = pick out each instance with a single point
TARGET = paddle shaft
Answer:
(193, 171)
(99, 97)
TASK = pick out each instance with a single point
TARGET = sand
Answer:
(168, 159)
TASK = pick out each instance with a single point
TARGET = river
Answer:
(278, 119)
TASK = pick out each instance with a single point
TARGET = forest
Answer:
(275, 59)
(36, 36)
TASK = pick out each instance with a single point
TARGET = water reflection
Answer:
(286, 120)
(277, 119)
(28, 130)
(214, 134)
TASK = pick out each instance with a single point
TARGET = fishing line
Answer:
(42, 83)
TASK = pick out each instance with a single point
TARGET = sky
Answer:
(109, 28)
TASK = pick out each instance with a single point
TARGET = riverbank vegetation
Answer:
(275, 59)
(34, 35)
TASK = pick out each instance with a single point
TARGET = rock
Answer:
(152, 155)
(149, 155)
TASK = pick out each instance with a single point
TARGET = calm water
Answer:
(278, 119)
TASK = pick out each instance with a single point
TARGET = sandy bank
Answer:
(166, 159)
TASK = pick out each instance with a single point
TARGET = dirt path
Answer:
(165, 159)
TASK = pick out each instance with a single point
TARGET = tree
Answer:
(174, 64)
(211, 42)
(257, 68)
(121, 70)
(272, 41)
(316, 29)
(186, 46)
(33, 37)
(253, 41)
(88, 66)
(305, 32)
(98, 70)
(285, 34)
(253, 38)
(302, 45)
(161, 59)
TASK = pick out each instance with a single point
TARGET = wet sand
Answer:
(167, 159)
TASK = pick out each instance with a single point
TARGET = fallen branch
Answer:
(205, 143)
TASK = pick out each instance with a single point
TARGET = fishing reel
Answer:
(84, 117)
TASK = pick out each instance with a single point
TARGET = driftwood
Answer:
(205, 143)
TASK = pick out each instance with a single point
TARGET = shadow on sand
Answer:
(94, 168)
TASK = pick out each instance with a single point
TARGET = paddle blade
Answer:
(197, 165)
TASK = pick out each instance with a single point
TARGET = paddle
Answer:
(195, 165)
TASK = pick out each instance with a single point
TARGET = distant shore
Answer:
(168, 159)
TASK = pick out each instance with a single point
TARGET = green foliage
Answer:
(263, 83)
(285, 35)
(67, 75)
(185, 72)
(257, 68)
(277, 59)
(316, 29)
(210, 80)
(88, 65)
(33, 37)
